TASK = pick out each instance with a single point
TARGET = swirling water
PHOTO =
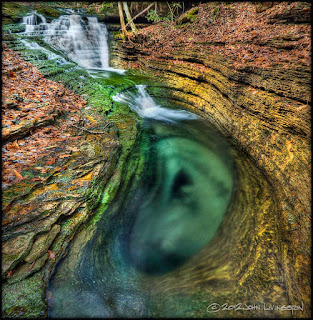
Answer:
(177, 187)
(169, 210)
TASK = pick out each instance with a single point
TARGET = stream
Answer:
(177, 187)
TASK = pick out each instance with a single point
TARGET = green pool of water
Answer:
(177, 186)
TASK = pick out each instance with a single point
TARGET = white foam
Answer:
(83, 39)
(145, 106)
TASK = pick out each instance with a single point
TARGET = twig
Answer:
(89, 131)
(139, 14)
(171, 11)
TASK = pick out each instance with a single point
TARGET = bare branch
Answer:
(89, 131)
(140, 13)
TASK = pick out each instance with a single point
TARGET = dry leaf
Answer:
(18, 175)
(51, 255)
(10, 273)
(38, 179)
(64, 156)
(15, 145)
(52, 161)
(30, 267)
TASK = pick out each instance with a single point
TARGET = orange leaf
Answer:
(30, 267)
(10, 273)
(64, 156)
(18, 175)
(51, 255)
(15, 145)
(50, 161)
(37, 179)
(38, 168)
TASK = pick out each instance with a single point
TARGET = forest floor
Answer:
(245, 33)
(32, 109)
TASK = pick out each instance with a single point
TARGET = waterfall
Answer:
(83, 39)
(145, 106)
(50, 55)
(34, 19)
(34, 22)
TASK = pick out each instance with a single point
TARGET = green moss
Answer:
(214, 12)
(24, 299)
(13, 11)
(49, 12)
(189, 16)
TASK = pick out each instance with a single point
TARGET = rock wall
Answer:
(45, 209)
(266, 113)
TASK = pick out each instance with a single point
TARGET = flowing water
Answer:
(177, 187)
(169, 210)
(82, 39)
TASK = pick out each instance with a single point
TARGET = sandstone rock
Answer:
(28, 269)
(42, 244)
(14, 250)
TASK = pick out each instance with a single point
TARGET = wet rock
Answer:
(14, 250)
(24, 298)
(28, 269)
(42, 244)
(265, 111)
(68, 196)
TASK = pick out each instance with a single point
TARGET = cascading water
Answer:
(170, 209)
(145, 106)
(35, 22)
(50, 55)
(83, 39)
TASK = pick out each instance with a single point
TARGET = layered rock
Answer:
(264, 109)
(49, 205)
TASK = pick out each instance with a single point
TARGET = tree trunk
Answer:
(129, 18)
(140, 13)
(120, 11)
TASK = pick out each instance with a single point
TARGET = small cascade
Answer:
(35, 22)
(83, 39)
(144, 105)
(50, 55)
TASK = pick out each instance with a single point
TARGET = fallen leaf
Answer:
(39, 168)
(30, 267)
(18, 175)
(51, 255)
(38, 179)
(15, 145)
(52, 161)
(64, 156)
(10, 273)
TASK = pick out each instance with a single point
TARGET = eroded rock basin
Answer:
(191, 217)
(195, 223)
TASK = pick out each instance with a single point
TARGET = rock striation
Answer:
(265, 111)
